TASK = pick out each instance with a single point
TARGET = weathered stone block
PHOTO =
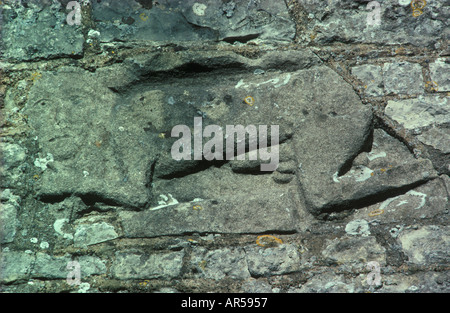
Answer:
(8, 222)
(135, 265)
(419, 112)
(31, 33)
(355, 250)
(426, 245)
(86, 235)
(283, 259)
(221, 263)
(439, 74)
(372, 78)
(403, 78)
(240, 214)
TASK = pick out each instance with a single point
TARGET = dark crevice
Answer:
(193, 67)
(204, 164)
(241, 39)
(272, 232)
(205, 233)
(369, 200)
(366, 147)
(149, 184)
(196, 168)
(380, 123)
(89, 199)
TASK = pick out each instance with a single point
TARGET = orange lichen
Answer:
(376, 212)
(35, 76)
(249, 100)
(418, 4)
(267, 240)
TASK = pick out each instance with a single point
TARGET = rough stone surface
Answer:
(403, 78)
(372, 78)
(336, 21)
(221, 263)
(86, 235)
(355, 250)
(191, 20)
(426, 245)
(134, 265)
(262, 261)
(439, 74)
(438, 138)
(28, 26)
(419, 112)
(89, 175)
(15, 265)
(236, 215)
(8, 222)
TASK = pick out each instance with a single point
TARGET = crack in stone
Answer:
(369, 200)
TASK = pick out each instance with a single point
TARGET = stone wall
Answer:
(92, 199)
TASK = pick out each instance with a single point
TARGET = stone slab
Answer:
(427, 244)
(372, 78)
(232, 214)
(129, 265)
(192, 21)
(35, 32)
(403, 78)
(268, 261)
(439, 70)
(419, 112)
(220, 263)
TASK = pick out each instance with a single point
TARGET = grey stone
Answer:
(388, 166)
(426, 245)
(12, 164)
(59, 110)
(357, 251)
(423, 202)
(91, 265)
(358, 227)
(86, 235)
(13, 155)
(139, 265)
(403, 78)
(263, 19)
(220, 263)
(419, 112)
(115, 158)
(15, 265)
(372, 78)
(421, 282)
(6, 195)
(439, 70)
(336, 21)
(192, 21)
(54, 267)
(8, 222)
(262, 261)
(256, 286)
(438, 138)
(51, 267)
(127, 20)
(329, 282)
(39, 32)
(231, 214)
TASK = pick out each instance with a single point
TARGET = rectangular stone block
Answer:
(244, 214)
(279, 260)
(140, 266)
